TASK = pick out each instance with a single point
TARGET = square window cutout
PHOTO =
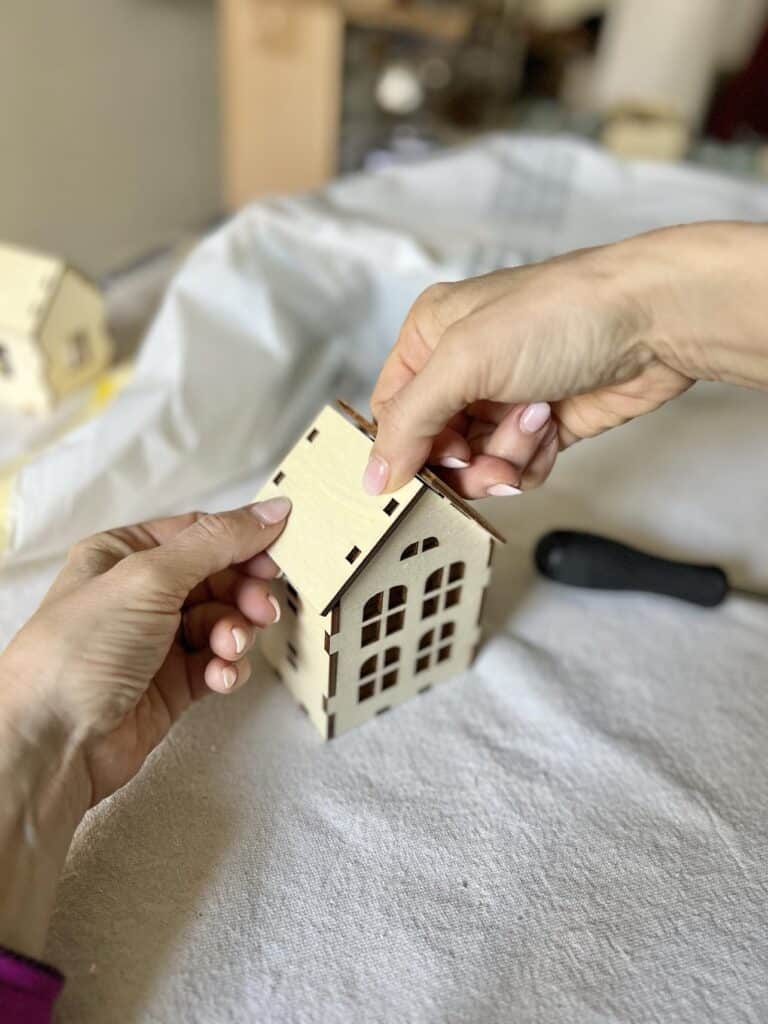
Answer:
(452, 597)
(456, 572)
(429, 607)
(390, 507)
(444, 653)
(370, 634)
(422, 663)
(278, 478)
(389, 680)
(446, 630)
(364, 692)
(391, 655)
(395, 622)
(396, 597)
(353, 555)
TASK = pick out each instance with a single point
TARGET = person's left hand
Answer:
(141, 622)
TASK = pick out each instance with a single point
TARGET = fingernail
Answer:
(451, 462)
(376, 475)
(276, 605)
(534, 417)
(503, 490)
(273, 511)
(280, 574)
(229, 677)
(241, 639)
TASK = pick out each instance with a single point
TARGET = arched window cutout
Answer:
(413, 549)
(378, 673)
(434, 647)
(375, 614)
(442, 589)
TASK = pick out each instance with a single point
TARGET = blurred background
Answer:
(130, 126)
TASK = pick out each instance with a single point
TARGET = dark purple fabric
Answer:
(28, 989)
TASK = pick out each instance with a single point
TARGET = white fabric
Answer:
(575, 830)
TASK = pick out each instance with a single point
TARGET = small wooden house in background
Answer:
(52, 333)
(382, 596)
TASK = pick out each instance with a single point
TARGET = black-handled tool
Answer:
(586, 560)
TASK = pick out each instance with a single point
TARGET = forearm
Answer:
(43, 800)
(702, 290)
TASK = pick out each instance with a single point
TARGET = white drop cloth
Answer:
(576, 829)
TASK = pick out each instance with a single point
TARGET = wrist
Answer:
(701, 290)
(45, 795)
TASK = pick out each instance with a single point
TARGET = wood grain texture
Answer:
(332, 516)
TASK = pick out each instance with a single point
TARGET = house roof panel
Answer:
(335, 527)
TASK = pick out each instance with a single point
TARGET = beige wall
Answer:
(108, 125)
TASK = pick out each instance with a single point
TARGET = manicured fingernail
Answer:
(451, 462)
(534, 417)
(376, 475)
(503, 490)
(229, 677)
(241, 639)
(276, 605)
(273, 511)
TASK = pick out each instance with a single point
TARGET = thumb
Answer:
(214, 542)
(411, 420)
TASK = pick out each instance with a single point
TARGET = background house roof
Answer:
(335, 527)
(28, 282)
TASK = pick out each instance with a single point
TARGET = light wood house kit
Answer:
(382, 596)
(52, 334)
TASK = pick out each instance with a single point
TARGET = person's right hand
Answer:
(491, 377)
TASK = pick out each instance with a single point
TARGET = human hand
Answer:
(491, 377)
(141, 622)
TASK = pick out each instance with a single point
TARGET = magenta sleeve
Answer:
(28, 989)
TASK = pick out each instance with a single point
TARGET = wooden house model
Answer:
(381, 596)
(52, 334)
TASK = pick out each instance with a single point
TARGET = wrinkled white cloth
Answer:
(574, 830)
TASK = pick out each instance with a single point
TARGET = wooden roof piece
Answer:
(335, 527)
(432, 480)
(28, 282)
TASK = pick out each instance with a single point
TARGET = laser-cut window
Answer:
(312, 435)
(433, 650)
(442, 588)
(391, 506)
(353, 555)
(278, 478)
(413, 549)
(385, 611)
(5, 362)
(379, 672)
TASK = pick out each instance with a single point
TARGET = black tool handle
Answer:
(586, 560)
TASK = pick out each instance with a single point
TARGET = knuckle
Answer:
(82, 550)
(215, 525)
(143, 571)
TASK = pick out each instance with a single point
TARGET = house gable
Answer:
(406, 596)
